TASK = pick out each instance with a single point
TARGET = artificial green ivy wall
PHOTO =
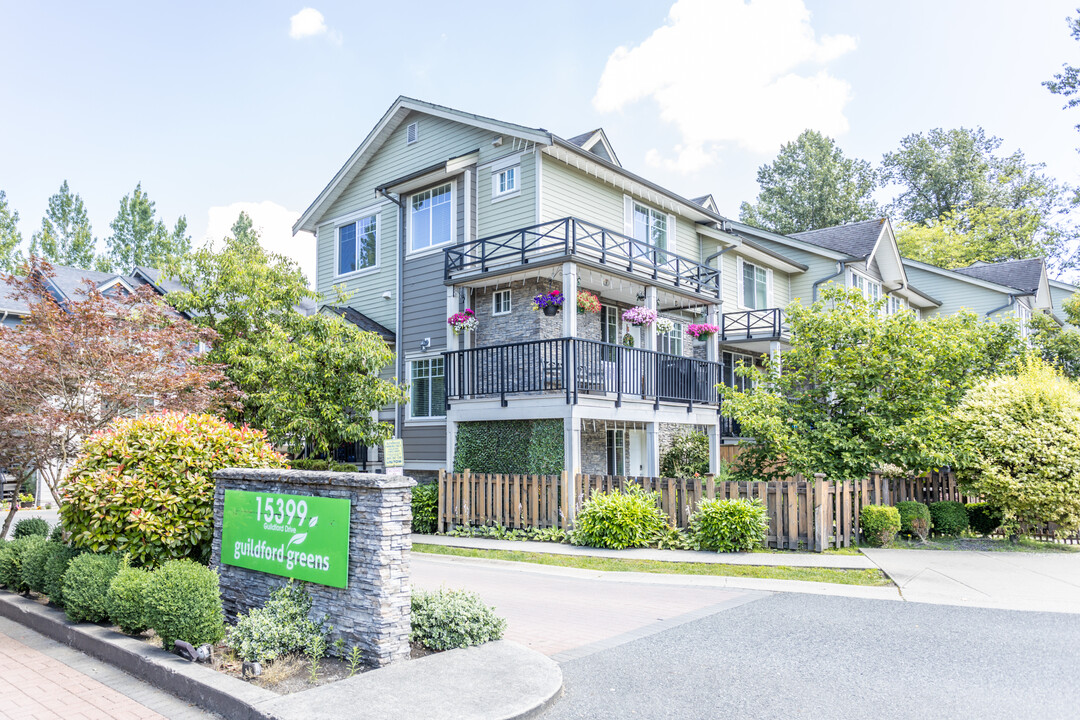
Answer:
(512, 446)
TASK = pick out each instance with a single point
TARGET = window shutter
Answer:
(739, 283)
(672, 235)
(628, 216)
(412, 133)
(768, 289)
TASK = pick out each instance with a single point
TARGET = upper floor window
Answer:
(1024, 313)
(755, 286)
(895, 304)
(505, 181)
(427, 388)
(356, 245)
(432, 217)
(650, 226)
(671, 342)
(871, 290)
(500, 303)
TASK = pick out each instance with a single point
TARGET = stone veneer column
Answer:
(373, 611)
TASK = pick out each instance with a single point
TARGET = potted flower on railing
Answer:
(664, 326)
(639, 316)
(702, 331)
(550, 302)
(463, 322)
(587, 302)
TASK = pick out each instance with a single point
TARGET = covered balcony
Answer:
(754, 330)
(574, 239)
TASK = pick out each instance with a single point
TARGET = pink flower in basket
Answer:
(463, 322)
(639, 316)
(701, 331)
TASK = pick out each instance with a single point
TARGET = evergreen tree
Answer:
(141, 238)
(66, 237)
(10, 237)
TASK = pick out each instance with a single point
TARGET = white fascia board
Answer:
(886, 230)
(790, 241)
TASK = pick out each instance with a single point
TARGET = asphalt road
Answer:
(803, 656)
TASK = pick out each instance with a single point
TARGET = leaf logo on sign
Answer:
(297, 539)
(313, 521)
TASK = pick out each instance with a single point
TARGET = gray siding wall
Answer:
(424, 443)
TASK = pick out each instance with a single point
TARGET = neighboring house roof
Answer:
(708, 202)
(158, 279)
(1025, 275)
(361, 321)
(596, 142)
(856, 239)
(9, 305)
(70, 282)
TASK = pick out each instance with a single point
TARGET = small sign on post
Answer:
(394, 456)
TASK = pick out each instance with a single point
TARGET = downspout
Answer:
(399, 410)
(842, 264)
(1006, 306)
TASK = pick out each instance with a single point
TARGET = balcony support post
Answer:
(649, 332)
(776, 361)
(569, 290)
(571, 462)
(452, 338)
(712, 345)
(652, 449)
(714, 447)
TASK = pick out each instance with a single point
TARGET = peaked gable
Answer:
(596, 142)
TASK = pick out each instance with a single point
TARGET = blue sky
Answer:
(218, 106)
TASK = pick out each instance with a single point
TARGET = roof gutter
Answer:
(842, 265)
(1006, 306)
(399, 409)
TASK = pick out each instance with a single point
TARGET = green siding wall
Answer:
(498, 216)
(954, 294)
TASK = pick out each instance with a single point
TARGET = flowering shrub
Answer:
(587, 302)
(145, 486)
(463, 322)
(639, 316)
(279, 627)
(702, 330)
(663, 325)
(553, 298)
(447, 619)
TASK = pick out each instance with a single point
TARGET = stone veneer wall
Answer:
(523, 323)
(668, 431)
(373, 611)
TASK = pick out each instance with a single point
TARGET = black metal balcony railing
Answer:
(752, 325)
(572, 366)
(573, 237)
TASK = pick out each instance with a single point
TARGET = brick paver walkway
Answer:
(567, 617)
(40, 679)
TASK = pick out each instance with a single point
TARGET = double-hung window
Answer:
(671, 342)
(755, 287)
(650, 226)
(431, 215)
(1024, 312)
(500, 302)
(356, 245)
(616, 451)
(427, 389)
(871, 290)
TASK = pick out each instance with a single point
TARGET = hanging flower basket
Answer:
(463, 322)
(663, 325)
(550, 302)
(587, 302)
(702, 331)
(639, 316)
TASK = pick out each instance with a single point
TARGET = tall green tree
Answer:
(10, 237)
(811, 184)
(65, 237)
(1067, 82)
(141, 238)
(306, 380)
(1057, 345)
(859, 390)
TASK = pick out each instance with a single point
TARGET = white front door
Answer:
(635, 441)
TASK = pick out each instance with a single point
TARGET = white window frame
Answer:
(495, 311)
(349, 219)
(740, 299)
(673, 336)
(1023, 312)
(498, 194)
(631, 208)
(433, 418)
(452, 182)
(865, 284)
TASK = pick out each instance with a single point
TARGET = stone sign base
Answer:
(372, 613)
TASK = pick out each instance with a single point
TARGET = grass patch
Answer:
(981, 544)
(778, 572)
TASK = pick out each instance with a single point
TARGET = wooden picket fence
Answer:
(804, 513)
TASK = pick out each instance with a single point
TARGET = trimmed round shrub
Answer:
(879, 523)
(447, 619)
(183, 602)
(950, 517)
(729, 525)
(60, 556)
(33, 565)
(618, 520)
(425, 508)
(145, 487)
(57, 534)
(30, 526)
(983, 518)
(1020, 449)
(914, 519)
(86, 586)
(687, 456)
(279, 627)
(125, 599)
(12, 556)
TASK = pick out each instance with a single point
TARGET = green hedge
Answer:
(914, 519)
(950, 517)
(425, 508)
(512, 446)
(321, 465)
(880, 523)
(983, 518)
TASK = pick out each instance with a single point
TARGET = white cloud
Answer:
(274, 224)
(309, 22)
(728, 71)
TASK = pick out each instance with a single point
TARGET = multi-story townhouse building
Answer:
(439, 211)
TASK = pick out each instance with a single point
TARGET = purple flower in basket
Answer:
(551, 299)
(639, 316)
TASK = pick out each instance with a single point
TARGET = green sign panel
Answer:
(296, 536)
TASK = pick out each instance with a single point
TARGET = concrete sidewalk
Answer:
(1008, 580)
(786, 559)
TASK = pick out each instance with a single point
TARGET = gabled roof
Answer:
(69, 282)
(389, 122)
(596, 142)
(162, 283)
(361, 321)
(708, 202)
(1024, 275)
(9, 305)
(857, 239)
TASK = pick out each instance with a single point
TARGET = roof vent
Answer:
(412, 133)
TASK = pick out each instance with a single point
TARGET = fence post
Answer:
(821, 536)
(466, 498)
